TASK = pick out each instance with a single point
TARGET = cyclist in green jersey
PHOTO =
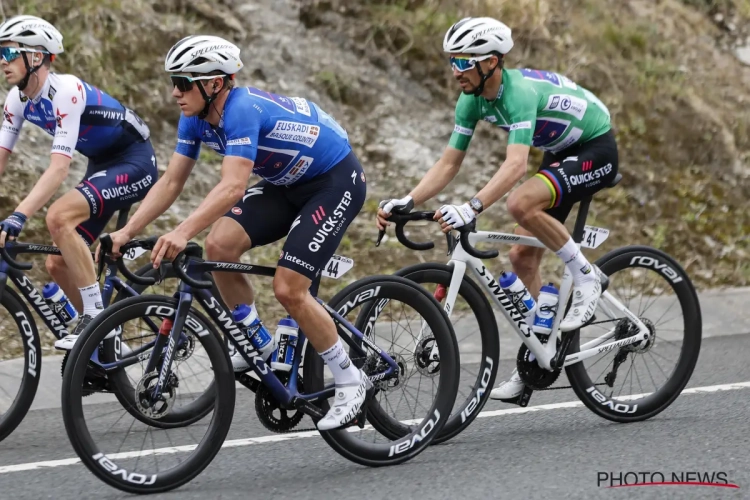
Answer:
(537, 108)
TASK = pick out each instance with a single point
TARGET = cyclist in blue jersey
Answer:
(311, 188)
(121, 167)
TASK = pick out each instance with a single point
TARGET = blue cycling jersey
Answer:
(290, 139)
(80, 117)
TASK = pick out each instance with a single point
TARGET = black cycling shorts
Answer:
(313, 215)
(578, 172)
(114, 184)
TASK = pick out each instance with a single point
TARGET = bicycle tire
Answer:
(32, 367)
(418, 437)
(465, 412)
(620, 410)
(78, 434)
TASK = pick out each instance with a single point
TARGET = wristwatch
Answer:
(476, 204)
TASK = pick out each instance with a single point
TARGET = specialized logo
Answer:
(126, 191)
(8, 115)
(211, 48)
(252, 192)
(59, 117)
(591, 176)
(295, 224)
(332, 225)
(299, 133)
(570, 158)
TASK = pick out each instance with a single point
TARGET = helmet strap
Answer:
(480, 88)
(29, 71)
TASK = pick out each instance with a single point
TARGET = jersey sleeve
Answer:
(12, 120)
(466, 122)
(521, 104)
(69, 104)
(188, 141)
(242, 124)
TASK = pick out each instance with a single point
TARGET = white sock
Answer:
(92, 300)
(344, 371)
(576, 263)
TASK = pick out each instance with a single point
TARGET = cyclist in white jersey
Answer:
(80, 117)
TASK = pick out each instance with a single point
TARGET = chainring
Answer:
(92, 383)
(266, 406)
(534, 376)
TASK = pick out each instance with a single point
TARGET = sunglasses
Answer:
(10, 54)
(184, 83)
(466, 63)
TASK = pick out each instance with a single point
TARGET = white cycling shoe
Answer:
(67, 342)
(585, 299)
(346, 406)
(509, 389)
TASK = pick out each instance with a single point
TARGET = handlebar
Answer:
(21, 266)
(192, 250)
(106, 247)
(400, 221)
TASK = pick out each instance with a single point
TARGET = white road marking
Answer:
(275, 438)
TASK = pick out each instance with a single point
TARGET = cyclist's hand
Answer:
(119, 238)
(168, 247)
(454, 216)
(11, 227)
(404, 205)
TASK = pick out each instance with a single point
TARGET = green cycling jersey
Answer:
(538, 108)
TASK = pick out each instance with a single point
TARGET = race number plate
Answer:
(594, 236)
(337, 266)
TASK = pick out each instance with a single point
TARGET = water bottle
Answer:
(545, 310)
(261, 339)
(59, 303)
(518, 294)
(286, 342)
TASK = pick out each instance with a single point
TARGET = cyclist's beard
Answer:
(469, 89)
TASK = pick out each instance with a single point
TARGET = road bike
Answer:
(20, 324)
(637, 321)
(380, 435)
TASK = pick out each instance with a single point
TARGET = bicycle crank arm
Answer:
(308, 408)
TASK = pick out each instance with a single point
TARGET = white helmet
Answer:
(478, 35)
(32, 31)
(203, 54)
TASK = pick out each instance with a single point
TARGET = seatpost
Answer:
(583, 212)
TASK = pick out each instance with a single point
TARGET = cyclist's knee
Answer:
(520, 206)
(290, 288)
(55, 265)
(223, 245)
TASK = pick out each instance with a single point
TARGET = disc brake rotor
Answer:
(160, 406)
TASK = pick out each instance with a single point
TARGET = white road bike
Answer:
(635, 325)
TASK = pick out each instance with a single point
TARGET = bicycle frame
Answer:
(287, 395)
(545, 353)
(36, 300)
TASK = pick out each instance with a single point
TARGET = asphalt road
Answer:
(547, 450)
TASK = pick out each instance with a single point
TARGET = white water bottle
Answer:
(518, 294)
(286, 341)
(546, 307)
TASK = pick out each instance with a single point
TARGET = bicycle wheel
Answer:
(477, 337)
(649, 283)
(399, 436)
(107, 442)
(123, 382)
(18, 380)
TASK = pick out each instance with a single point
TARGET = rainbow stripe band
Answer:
(553, 186)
